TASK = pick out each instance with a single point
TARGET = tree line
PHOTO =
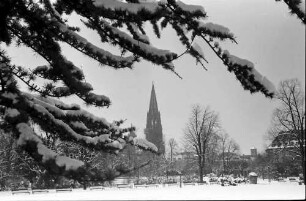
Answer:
(214, 151)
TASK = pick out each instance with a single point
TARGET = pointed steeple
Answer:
(153, 102)
(153, 128)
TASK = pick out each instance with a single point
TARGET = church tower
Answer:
(153, 130)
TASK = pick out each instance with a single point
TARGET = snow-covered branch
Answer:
(297, 7)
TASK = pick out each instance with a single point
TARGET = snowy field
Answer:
(261, 191)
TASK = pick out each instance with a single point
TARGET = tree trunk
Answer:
(223, 160)
(203, 161)
(203, 165)
(303, 163)
(200, 169)
(302, 150)
(85, 185)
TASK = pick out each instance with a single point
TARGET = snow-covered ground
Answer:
(261, 191)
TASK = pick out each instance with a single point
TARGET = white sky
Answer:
(267, 35)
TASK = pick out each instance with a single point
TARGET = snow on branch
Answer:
(101, 55)
(62, 165)
(301, 6)
(121, 10)
(72, 79)
(145, 145)
(11, 113)
(34, 108)
(52, 102)
(27, 77)
(58, 164)
(297, 7)
(71, 75)
(46, 72)
(249, 77)
(108, 136)
(215, 30)
(198, 48)
(78, 126)
(134, 8)
(67, 113)
(197, 52)
(146, 51)
(28, 139)
(194, 9)
(134, 30)
(102, 141)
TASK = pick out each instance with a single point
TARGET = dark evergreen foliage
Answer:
(295, 7)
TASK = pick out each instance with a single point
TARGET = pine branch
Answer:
(60, 165)
(94, 52)
(293, 5)
(147, 52)
(247, 82)
(65, 68)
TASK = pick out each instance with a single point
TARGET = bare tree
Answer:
(172, 145)
(229, 149)
(199, 130)
(223, 140)
(213, 152)
(232, 151)
(288, 121)
(7, 157)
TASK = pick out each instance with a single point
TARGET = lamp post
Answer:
(180, 180)
(269, 178)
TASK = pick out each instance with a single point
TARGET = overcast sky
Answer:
(267, 35)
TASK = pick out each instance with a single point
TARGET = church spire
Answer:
(153, 102)
(153, 128)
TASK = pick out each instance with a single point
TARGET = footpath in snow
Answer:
(261, 191)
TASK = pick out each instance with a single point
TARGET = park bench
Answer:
(153, 185)
(229, 183)
(124, 186)
(189, 184)
(40, 191)
(214, 182)
(172, 184)
(96, 188)
(63, 189)
(17, 191)
(292, 179)
(141, 185)
(225, 184)
(202, 183)
(280, 179)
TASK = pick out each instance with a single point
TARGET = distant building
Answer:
(153, 130)
(253, 152)
(286, 141)
(253, 155)
(185, 155)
